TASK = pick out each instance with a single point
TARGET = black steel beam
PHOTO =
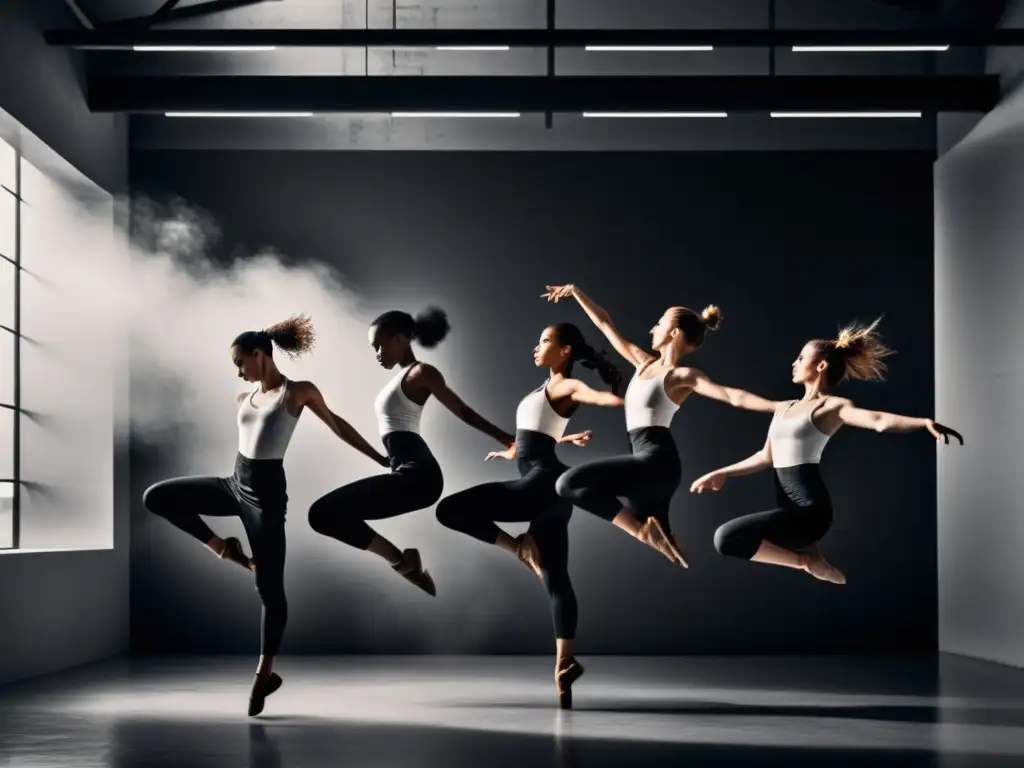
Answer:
(540, 93)
(167, 13)
(83, 18)
(536, 38)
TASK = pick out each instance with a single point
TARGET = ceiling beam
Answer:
(83, 18)
(536, 38)
(168, 13)
(541, 94)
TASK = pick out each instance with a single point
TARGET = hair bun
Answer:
(712, 317)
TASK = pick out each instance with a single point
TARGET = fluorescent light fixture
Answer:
(846, 114)
(656, 114)
(867, 48)
(238, 114)
(651, 48)
(218, 48)
(472, 47)
(455, 114)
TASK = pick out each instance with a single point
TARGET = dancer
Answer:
(650, 476)
(790, 534)
(256, 491)
(541, 419)
(415, 481)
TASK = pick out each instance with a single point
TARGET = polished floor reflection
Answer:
(499, 711)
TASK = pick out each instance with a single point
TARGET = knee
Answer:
(154, 498)
(564, 486)
(448, 514)
(730, 542)
(317, 517)
(271, 594)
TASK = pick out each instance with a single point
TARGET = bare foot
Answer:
(654, 536)
(411, 568)
(232, 550)
(528, 553)
(821, 569)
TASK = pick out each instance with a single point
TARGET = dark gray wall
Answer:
(979, 279)
(789, 245)
(62, 608)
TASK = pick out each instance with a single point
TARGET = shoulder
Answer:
(684, 374)
(302, 390)
(424, 369)
(564, 388)
(833, 403)
(424, 373)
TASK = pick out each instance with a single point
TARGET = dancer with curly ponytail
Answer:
(541, 419)
(415, 481)
(256, 492)
(789, 535)
(649, 476)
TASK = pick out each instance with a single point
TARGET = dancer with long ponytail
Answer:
(415, 481)
(789, 535)
(257, 492)
(649, 476)
(541, 419)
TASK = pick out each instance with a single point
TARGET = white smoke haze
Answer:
(181, 312)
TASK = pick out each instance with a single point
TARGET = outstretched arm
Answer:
(597, 314)
(580, 393)
(432, 379)
(310, 396)
(699, 382)
(881, 421)
(713, 481)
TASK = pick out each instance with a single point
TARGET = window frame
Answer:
(15, 261)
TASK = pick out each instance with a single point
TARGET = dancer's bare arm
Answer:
(839, 411)
(714, 481)
(307, 395)
(578, 392)
(600, 317)
(681, 379)
(431, 379)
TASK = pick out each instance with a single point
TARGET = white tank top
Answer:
(795, 440)
(395, 411)
(264, 432)
(536, 414)
(647, 404)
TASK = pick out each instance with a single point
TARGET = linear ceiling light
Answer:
(238, 114)
(867, 48)
(846, 114)
(472, 48)
(651, 48)
(192, 48)
(656, 114)
(455, 114)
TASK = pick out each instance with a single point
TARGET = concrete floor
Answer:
(499, 711)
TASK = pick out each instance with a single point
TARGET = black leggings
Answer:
(415, 482)
(256, 493)
(530, 499)
(803, 517)
(647, 479)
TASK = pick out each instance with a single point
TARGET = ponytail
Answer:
(569, 335)
(856, 353)
(428, 328)
(294, 336)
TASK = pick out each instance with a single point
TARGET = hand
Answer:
(508, 453)
(555, 292)
(581, 438)
(384, 461)
(941, 432)
(712, 481)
